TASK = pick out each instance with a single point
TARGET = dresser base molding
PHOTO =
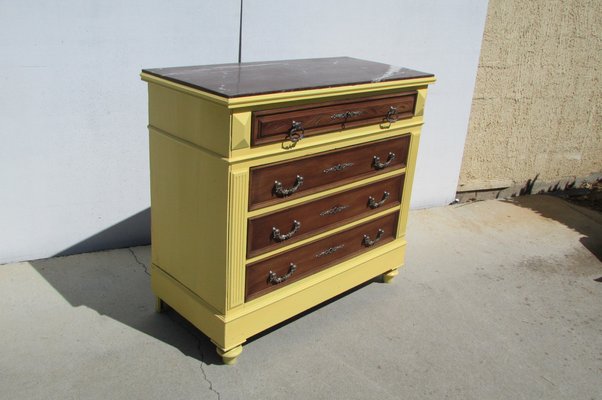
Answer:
(231, 330)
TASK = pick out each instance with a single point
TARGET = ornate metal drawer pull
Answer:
(368, 242)
(281, 192)
(296, 132)
(375, 204)
(332, 211)
(279, 237)
(275, 279)
(378, 165)
(338, 167)
(345, 115)
(391, 115)
(330, 251)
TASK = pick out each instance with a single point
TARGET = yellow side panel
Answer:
(190, 118)
(409, 179)
(189, 197)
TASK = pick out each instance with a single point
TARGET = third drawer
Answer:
(270, 231)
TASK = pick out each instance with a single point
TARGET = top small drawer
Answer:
(278, 125)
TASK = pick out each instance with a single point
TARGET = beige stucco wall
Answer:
(537, 106)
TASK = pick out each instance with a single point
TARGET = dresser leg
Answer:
(229, 357)
(388, 276)
(160, 306)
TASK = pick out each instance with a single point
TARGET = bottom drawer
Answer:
(272, 273)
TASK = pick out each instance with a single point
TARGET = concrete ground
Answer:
(498, 300)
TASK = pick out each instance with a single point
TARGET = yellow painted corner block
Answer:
(241, 130)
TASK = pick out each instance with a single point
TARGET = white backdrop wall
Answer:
(73, 112)
(438, 36)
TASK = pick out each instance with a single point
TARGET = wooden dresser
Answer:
(277, 185)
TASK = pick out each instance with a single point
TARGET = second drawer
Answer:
(279, 182)
(281, 228)
(274, 272)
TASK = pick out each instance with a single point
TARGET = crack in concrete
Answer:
(205, 374)
(187, 330)
(138, 261)
(201, 352)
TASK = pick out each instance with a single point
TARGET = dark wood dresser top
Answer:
(255, 78)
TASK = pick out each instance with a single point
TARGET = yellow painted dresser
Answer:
(277, 185)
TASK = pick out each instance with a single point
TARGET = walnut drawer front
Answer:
(279, 182)
(272, 126)
(282, 269)
(281, 228)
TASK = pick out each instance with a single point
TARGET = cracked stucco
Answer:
(537, 102)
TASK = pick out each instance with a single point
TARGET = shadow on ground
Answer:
(586, 221)
(116, 284)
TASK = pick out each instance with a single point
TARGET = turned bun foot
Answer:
(229, 357)
(388, 276)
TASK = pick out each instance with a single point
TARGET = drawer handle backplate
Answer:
(280, 191)
(330, 250)
(345, 115)
(372, 203)
(338, 167)
(369, 243)
(277, 236)
(275, 279)
(379, 165)
(296, 132)
(334, 210)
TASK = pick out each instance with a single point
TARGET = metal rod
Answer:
(240, 35)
